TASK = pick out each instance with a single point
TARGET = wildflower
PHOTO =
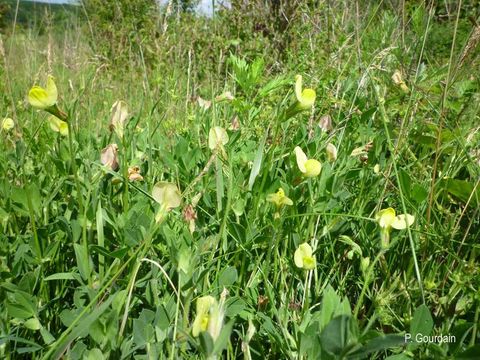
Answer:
(325, 123)
(46, 98)
(204, 104)
(309, 167)
(41, 98)
(120, 115)
(226, 96)
(210, 315)
(331, 152)
(58, 125)
(217, 137)
(387, 220)
(234, 123)
(362, 150)
(398, 80)
(7, 124)
(134, 174)
(168, 196)
(200, 324)
(304, 258)
(279, 199)
(305, 97)
(217, 315)
(109, 157)
(190, 215)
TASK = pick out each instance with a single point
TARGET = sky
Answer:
(204, 7)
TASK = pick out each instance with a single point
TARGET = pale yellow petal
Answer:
(331, 152)
(385, 217)
(298, 258)
(7, 124)
(63, 128)
(217, 137)
(403, 221)
(309, 263)
(167, 195)
(303, 257)
(52, 91)
(312, 168)
(298, 87)
(38, 98)
(203, 307)
(301, 158)
(119, 111)
(307, 99)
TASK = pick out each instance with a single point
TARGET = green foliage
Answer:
(87, 271)
(122, 28)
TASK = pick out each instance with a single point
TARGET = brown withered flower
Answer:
(109, 157)
(190, 215)
(134, 174)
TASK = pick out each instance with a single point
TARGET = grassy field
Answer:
(170, 189)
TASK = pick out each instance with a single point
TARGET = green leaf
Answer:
(83, 261)
(118, 254)
(223, 338)
(419, 193)
(94, 354)
(472, 353)
(401, 356)
(22, 306)
(379, 343)
(330, 303)
(334, 338)
(47, 336)
(206, 343)
(310, 340)
(462, 190)
(227, 277)
(32, 324)
(61, 276)
(83, 326)
(257, 163)
(422, 323)
(219, 183)
(143, 331)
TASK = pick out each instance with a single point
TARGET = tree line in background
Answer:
(120, 29)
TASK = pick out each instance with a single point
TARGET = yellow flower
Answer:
(386, 219)
(210, 315)
(7, 124)
(309, 167)
(58, 125)
(120, 115)
(205, 305)
(279, 199)
(305, 97)
(41, 98)
(398, 80)
(304, 258)
(168, 196)
(217, 137)
(331, 152)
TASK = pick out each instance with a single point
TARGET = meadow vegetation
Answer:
(283, 180)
